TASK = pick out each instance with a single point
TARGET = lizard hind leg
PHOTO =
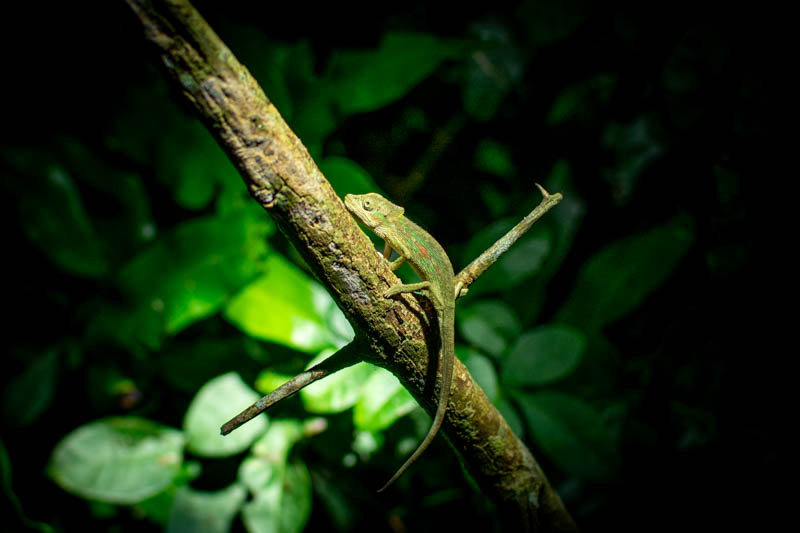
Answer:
(407, 287)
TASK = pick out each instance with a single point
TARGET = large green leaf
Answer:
(281, 489)
(367, 80)
(337, 392)
(383, 400)
(618, 278)
(571, 433)
(285, 306)
(543, 355)
(283, 505)
(188, 274)
(489, 324)
(219, 400)
(205, 512)
(118, 460)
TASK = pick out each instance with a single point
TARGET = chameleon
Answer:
(430, 262)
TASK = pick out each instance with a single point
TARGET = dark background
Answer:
(680, 130)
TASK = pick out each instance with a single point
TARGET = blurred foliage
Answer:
(150, 298)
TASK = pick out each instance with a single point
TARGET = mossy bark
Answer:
(283, 178)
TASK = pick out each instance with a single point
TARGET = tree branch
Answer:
(283, 178)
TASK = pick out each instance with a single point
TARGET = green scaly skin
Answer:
(430, 262)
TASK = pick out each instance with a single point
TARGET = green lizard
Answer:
(430, 262)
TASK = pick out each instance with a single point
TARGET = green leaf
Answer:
(481, 369)
(219, 400)
(275, 445)
(53, 217)
(571, 433)
(618, 278)
(383, 400)
(189, 274)
(284, 306)
(347, 176)
(30, 393)
(368, 80)
(523, 260)
(118, 460)
(489, 324)
(281, 490)
(282, 504)
(205, 512)
(544, 355)
(337, 392)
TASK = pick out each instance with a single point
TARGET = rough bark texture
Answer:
(283, 178)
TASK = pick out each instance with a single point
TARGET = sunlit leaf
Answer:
(571, 433)
(281, 490)
(205, 512)
(383, 400)
(618, 278)
(336, 392)
(368, 80)
(543, 355)
(117, 460)
(489, 324)
(30, 393)
(285, 306)
(188, 274)
(219, 400)
(282, 505)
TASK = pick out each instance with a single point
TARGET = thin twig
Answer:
(478, 266)
(345, 357)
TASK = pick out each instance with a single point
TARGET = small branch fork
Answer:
(350, 355)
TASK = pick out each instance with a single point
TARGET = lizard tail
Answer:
(446, 355)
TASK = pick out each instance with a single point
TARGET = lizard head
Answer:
(372, 209)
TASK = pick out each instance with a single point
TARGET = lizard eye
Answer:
(367, 205)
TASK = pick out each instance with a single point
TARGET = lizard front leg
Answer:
(387, 253)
